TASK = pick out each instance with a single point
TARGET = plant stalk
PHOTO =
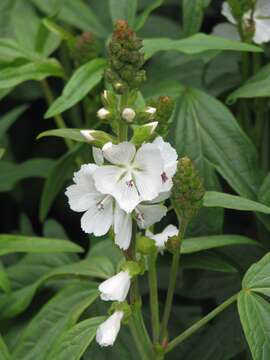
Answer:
(190, 331)
(154, 306)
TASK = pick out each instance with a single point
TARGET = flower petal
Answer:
(107, 332)
(122, 228)
(148, 215)
(226, 11)
(98, 156)
(99, 217)
(116, 287)
(226, 30)
(121, 154)
(262, 31)
(79, 199)
(170, 231)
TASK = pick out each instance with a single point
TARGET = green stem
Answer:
(154, 306)
(172, 281)
(60, 122)
(190, 331)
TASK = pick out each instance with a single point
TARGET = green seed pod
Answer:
(188, 189)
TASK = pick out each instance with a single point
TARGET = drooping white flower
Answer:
(169, 156)
(134, 176)
(161, 238)
(107, 331)
(103, 114)
(116, 287)
(128, 114)
(260, 16)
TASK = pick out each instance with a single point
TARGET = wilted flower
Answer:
(116, 287)
(107, 332)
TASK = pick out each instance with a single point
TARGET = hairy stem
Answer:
(154, 306)
(190, 331)
(172, 281)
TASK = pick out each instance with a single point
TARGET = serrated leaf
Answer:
(192, 245)
(75, 341)
(72, 134)
(123, 9)
(254, 314)
(80, 84)
(9, 118)
(13, 76)
(19, 243)
(195, 44)
(141, 19)
(56, 180)
(11, 173)
(56, 317)
(206, 131)
(227, 201)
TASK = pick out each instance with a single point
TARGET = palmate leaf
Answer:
(55, 318)
(195, 44)
(196, 244)
(227, 201)
(206, 131)
(80, 84)
(72, 344)
(18, 243)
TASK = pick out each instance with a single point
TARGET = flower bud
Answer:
(128, 114)
(96, 137)
(188, 191)
(116, 287)
(145, 245)
(142, 133)
(103, 114)
(84, 49)
(107, 332)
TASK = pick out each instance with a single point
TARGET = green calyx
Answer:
(188, 190)
(121, 306)
(145, 245)
(172, 245)
(134, 268)
(125, 59)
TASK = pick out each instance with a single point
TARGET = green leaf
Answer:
(56, 180)
(4, 281)
(9, 118)
(58, 30)
(206, 131)
(141, 19)
(4, 352)
(75, 341)
(123, 9)
(2, 151)
(72, 134)
(195, 44)
(257, 277)
(55, 318)
(80, 84)
(9, 50)
(227, 201)
(13, 76)
(257, 86)
(18, 243)
(192, 245)
(255, 319)
(207, 260)
(193, 11)
(77, 14)
(11, 173)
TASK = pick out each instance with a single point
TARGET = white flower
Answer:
(134, 176)
(116, 287)
(261, 18)
(169, 156)
(107, 332)
(103, 113)
(161, 238)
(128, 114)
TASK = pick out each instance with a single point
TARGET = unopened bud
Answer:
(128, 114)
(103, 114)
(96, 137)
(188, 191)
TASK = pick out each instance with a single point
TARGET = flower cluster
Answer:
(254, 22)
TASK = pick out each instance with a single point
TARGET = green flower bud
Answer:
(96, 137)
(145, 245)
(172, 244)
(188, 190)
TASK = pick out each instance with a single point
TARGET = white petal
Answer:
(148, 215)
(262, 8)
(98, 219)
(148, 185)
(98, 156)
(84, 176)
(168, 153)
(226, 30)
(262, 31)
(226, 11)
(121, 154)
(107, 332)
(170, 231)
(116, 287)
(161, 197)
(80, 199)
(160, 239)
(122, 228)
